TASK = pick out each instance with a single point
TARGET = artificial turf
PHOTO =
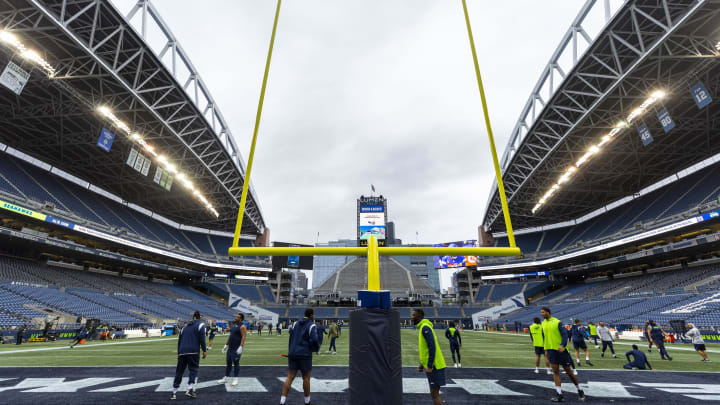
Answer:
(479, 350)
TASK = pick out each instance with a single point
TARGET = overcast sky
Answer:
(370, 92)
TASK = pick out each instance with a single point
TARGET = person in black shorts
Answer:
(431, 358)
(556, 338)
(303, 342)
(694, 334)
(578, 336)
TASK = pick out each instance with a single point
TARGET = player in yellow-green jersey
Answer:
(536, 335)
(556, 339)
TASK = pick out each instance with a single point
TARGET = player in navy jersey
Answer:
(234, 348)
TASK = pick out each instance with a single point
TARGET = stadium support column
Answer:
(375, 352)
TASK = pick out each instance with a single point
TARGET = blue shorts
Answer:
(436, 378)
(304, 364)
(700, 346)
(562, 358)
(212, 336)
(580, 344)
(539, 350)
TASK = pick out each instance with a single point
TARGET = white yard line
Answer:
(63, 347)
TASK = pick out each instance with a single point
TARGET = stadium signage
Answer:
(14, 78)
(665, 120)
(700, 95)
(645, 136)
(106, 140)
(21, 210)
(67, 224)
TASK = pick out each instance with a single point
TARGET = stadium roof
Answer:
(101, 59)
(645, 48)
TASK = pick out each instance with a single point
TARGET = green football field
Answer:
(479, 350)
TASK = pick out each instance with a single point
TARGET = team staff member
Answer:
(334, 334)
(694, 334)
(213, 331)
(556, 337)
(639, 360)
(303, 342)
(190, 342)
(536, 335)
(657, 335)
(234, 348)
(606, 338)
(453, 335)
(593, 333)
(431, 359)
(577, 333)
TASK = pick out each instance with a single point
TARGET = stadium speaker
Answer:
(375, 357)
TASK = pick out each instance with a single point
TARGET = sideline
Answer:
(283, 367)
(685, 349)
(65, 347)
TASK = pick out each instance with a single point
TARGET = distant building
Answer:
(301, 281)
(391, 240)
(325, 266)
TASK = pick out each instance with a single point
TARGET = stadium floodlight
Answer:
(12, 40)
(654, 97)
(162, 158)
(717, 46)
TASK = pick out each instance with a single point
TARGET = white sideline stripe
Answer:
(621, 370)
(85, 346)
(685, 349)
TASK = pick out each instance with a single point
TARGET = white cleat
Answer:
(334, 352)
(549, 372)
(222, 380)
(537, 371)
(575, 371)
(459, 365)
(235, 381)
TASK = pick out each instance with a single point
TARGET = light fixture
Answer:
(108, 113)
(12, 40)
(654, 97)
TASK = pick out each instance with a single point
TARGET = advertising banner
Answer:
(21, 210)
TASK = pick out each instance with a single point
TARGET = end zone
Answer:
(259, 384)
